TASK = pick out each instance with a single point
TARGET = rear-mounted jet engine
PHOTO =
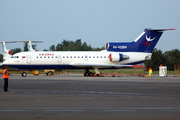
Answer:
(116, 57)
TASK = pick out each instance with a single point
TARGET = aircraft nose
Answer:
(5, 62)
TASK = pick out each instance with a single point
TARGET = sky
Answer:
(95, 22)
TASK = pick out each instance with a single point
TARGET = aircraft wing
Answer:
(94, 65)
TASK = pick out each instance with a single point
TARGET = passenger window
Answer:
(48, 57)
(82, 56)
(104, 56)
(44, 57)
(97, 56)
(74, 56)
(93, 56)
(52, 56)
(63, 56)
(101, 57)
(56, 57)
(70, 56)
(67, 56)
(37, 57)
(41, 57)
(89, 56)
(78, 56)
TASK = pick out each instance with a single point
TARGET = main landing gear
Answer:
(88, 73)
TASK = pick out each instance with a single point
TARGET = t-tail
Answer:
(145, 42)
(30, 48)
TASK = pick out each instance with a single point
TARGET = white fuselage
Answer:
(71, 59)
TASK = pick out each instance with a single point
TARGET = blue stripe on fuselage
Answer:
(61, 66)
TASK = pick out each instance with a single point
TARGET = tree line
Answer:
(168, 58)
(73, 46)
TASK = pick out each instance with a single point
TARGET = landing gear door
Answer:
(28, 59)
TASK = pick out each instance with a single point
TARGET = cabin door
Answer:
(59, 59)
(28, 59)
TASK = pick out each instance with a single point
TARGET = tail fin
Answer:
(30, 46)
(143, 43)
(6, 53)
(149, 39)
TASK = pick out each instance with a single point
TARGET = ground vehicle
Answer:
(49, 71)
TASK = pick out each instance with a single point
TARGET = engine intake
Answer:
(116, 57)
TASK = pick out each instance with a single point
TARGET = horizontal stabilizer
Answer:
(30, 41)
(6, 42)
(161, 29)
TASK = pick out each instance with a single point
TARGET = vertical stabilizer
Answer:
(145, 42)
(6, 53)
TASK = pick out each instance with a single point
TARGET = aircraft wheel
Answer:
(86, 74)
(91, 74)
(50, 73)
(24, 74)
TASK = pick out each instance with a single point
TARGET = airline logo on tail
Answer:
(146, 43)
(149, 39)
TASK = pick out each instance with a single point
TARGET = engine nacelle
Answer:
(116, 57)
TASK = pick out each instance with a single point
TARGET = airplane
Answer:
(6, 53)
(117, 55)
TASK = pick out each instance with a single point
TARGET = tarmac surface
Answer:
(74, 97)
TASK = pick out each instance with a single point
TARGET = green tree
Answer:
(59, 47)
(16, 50)
(52, 48)
(157, 59)
(34, 46)
(1, 58)
(85, 47)
(25, 46)
(98, 49)
(172, 57)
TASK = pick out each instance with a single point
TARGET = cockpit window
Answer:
(14, 56)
